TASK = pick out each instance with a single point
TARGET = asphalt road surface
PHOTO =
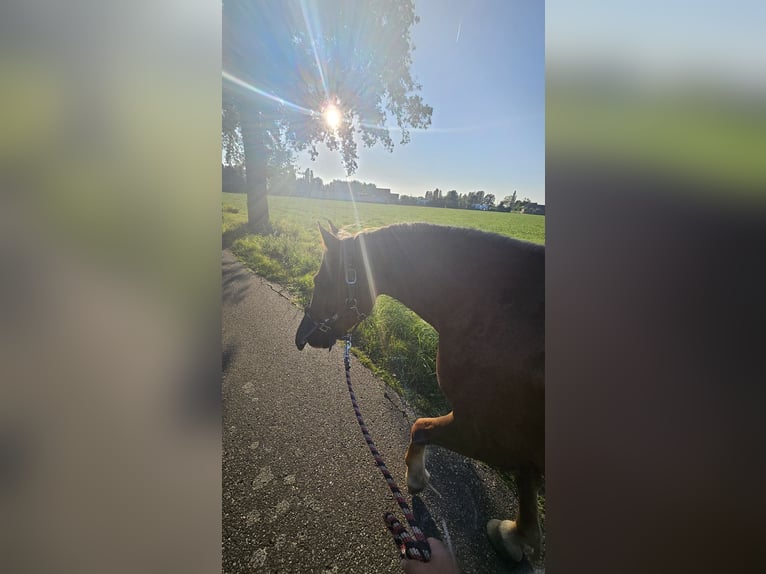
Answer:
(301, 492)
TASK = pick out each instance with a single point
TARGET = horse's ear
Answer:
(333, 228)
(328, 238)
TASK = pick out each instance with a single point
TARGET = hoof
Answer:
(417, 481)
(506, 539)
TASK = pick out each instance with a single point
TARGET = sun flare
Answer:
(332, 116)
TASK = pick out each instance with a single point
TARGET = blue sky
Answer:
(482, 67)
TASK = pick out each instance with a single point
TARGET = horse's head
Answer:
(338, 303)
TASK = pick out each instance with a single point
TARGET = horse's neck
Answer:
(402, 266)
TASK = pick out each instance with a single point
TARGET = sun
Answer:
(332, 116)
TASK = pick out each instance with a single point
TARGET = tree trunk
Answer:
(255, 169)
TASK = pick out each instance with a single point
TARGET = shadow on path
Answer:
(235, 286)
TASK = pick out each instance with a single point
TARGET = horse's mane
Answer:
(463, 233)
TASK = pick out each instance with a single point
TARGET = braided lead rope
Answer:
(402, 538)
(416, 548)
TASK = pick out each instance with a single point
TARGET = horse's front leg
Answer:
(424, 431)
(514, 538)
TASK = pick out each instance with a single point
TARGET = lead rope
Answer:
(413, 546)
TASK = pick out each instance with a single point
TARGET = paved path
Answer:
(301, 492)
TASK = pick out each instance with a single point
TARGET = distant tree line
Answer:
(472, 200)
(283, 181)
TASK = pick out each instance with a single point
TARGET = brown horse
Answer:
(484, 294)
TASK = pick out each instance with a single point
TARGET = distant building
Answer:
(358, 191)
(533, 209)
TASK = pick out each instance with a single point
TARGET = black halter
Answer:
(327, 325)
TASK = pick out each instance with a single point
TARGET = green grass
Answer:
(405, 345)
(306, 212)
(393, 341)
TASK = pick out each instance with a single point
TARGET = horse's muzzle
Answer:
(303, 332)
(308, 332)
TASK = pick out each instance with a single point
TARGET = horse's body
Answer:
(484, 294)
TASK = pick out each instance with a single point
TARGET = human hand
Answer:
(441, 561)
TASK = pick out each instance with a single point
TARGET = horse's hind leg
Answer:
(424, 431)
(514, 538)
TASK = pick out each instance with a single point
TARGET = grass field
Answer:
(398, 345)
(306, 212)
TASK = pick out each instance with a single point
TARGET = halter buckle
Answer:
(350, 276)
